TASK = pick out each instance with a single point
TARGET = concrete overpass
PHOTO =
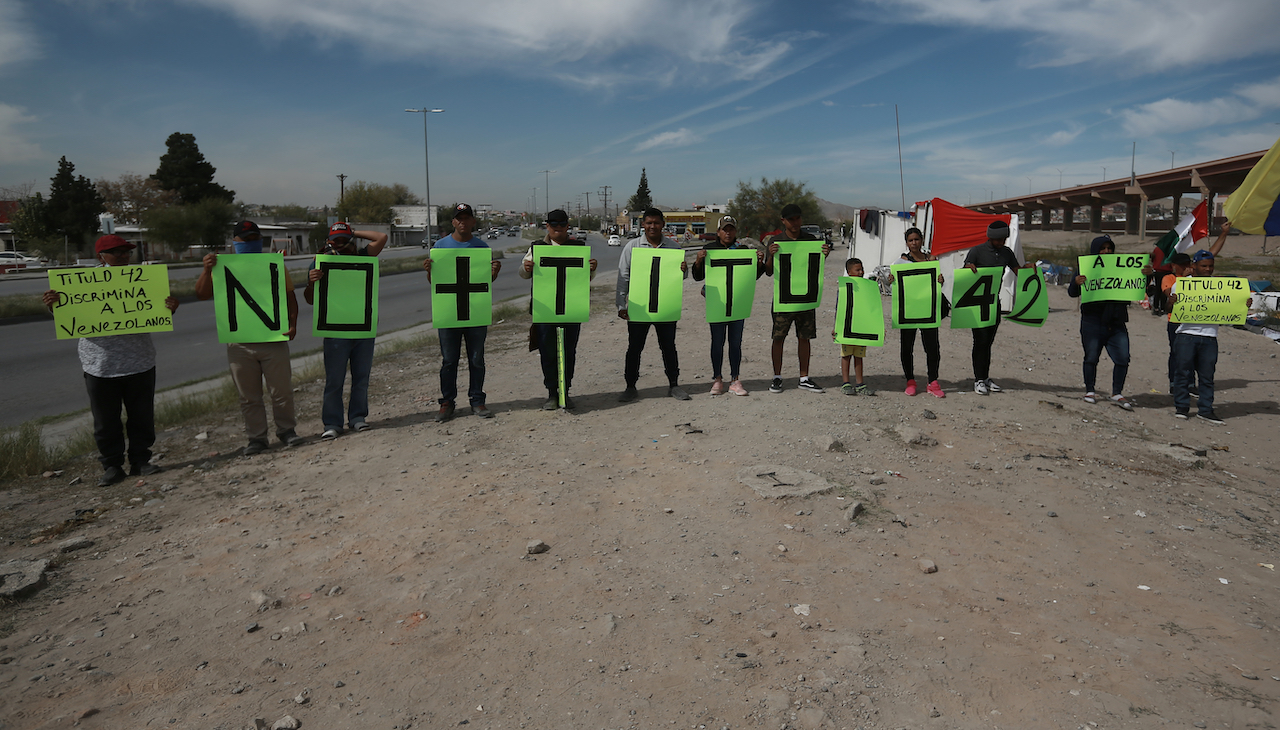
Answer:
(1215, 177)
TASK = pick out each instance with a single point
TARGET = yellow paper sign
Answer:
(111, 300)
(1211, 300)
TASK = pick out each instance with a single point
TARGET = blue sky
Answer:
(283, 95)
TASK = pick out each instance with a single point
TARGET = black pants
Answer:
(137, 395)
(932, 352)
(983, 339)
(547, 349)
(637, 333)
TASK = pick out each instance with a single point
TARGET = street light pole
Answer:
(1172, 154)
(426, 159)
(547, 191)
(342, 187)
(1059, 169)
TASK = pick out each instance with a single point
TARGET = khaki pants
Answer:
(251, 364)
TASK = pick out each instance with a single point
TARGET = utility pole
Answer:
(604, 198)
(547, 191)
(342, 187)
(588, 208)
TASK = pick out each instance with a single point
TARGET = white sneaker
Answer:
(991, 386)
(329, 434)
(980, 387)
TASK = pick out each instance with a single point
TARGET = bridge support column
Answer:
(1095, 217)
(1068, 216)
(1046, 215)
(1132, 206)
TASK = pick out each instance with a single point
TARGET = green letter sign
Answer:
(346, 297)
(1030, 300)
(731, 284)
(561, 284)
(1208, 300)
(859, 312)
(249, 293)
(797, 277)
(656, 285)
(975, 297)
(1113, 278)
(916, 296)
(460, 293)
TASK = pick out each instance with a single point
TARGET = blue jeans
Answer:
(734, 332)
(1194, 356)
(1095, 335)
(451, 340)
(338, 353)
(1173, 366)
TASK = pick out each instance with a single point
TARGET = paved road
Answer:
(45, 378)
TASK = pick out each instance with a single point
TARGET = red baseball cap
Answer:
(111, 242)
(340, 230)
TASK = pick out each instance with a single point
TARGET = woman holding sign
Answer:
(1103, 324)
(928, 337)
(726, 239)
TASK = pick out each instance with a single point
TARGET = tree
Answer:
(759, 210)
(184, 171)
(367, 202)
(129, 198)
(642, 199)
(206, 223)
(73, 205)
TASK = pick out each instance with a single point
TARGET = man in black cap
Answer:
(545, 334)
(452, 338)
(992, 253)
(252, 364)
(806, 322)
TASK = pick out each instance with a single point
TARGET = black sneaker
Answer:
(111, 475)
(553, 402)
(255, 447)
(445, 413)
(290, 438)
(482, 411)
(1180, 414)
(677, 392)
(809, 385)
(776, 386)
(1211, 417)
(144, 470)
(629, 395)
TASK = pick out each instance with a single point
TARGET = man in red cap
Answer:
(119, 372)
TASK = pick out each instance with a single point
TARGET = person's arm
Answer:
(771, 249)
(593, 264)
(204, 284)
(526, 265)
(700, 265)
(427, 265)
(495, 266)
(171, 303)
(292, 304)
(377, 241)
(314, 274)
(1073, 289)
(624, 281)
(50, 299)
(1222, 239)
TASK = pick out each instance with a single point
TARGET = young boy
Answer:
(853, 267)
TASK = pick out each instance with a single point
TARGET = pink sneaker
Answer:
(911, 387)
(935, 389)
(717, 387)
(736, 388)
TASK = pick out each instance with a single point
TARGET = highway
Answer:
(45, 378)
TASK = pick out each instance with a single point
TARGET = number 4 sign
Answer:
(977, 306)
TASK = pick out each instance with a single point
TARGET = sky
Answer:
(993, 98)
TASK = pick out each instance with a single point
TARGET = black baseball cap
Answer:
(558, 217)
(462, 209)
(790, 210)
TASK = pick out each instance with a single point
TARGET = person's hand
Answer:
(1147, 270)
(427, 266)
(622, 313)
(684, 267)
(315, 275)
(972, 267)
(702, 254)
(495, 266)
(1028, 265)
(171, 303)
(292, 331)
(942, 279)
(528, 266)
(50, 298)
(209, 260)
(826, 249)
(593, 264)
(1173, 298)
(773, 249)
(1080, 280)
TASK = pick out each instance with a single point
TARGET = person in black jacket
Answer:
(1103, 324)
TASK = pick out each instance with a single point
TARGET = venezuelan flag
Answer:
(1255, 206)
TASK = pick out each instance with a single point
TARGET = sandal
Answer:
(1091, 397)
(1119, 400)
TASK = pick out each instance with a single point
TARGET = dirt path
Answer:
(1088, 573)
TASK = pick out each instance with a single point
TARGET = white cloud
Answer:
(1265, 94)
(1063, 136)
(828, 102)
(1148, 35)
(14, 146)
(642, 39)
(679, 138)
(17, 37)
(1229, 145)
(1170, 116)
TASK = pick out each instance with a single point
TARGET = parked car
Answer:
(21, 258)
(513, 231)
(615, 240)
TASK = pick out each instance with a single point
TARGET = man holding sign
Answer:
(807, 295)
(341, 351)
(1103, 324)
(452, 337)
(252, 363)
(545, 335)
(748, 262)
(1195, 346)
(119, 372)
(990, 254)
(652, 296)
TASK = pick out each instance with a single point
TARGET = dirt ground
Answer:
(1095, 568)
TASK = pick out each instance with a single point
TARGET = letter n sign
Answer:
(460, 295)
(561, 284)
(249, 298)
(346, 297)
(797, 276)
